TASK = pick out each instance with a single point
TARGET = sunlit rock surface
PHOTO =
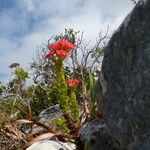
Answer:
(51, 145)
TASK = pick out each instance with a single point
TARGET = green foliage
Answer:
(2, 88)
(17, 84)
(9, 110)
(61, 88)
(91, 81)
(60, 124)
(69, 35)
(21, 74)
(92, 100)
(53, 89)
(41, 98)
(73, 103)
(67, 73)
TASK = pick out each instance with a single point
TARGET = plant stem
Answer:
(74, 107)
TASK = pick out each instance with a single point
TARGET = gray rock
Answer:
(51, 145)
(46, 117)
(126, 69)
(49, 114)
(95, 136)
(99, 91)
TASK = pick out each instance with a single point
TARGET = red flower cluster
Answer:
(63, 44)
(73, 82)
(60, 49)
(62, 53)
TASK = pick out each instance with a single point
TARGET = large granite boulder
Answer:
(126, 69)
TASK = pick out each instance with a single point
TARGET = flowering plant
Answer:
(68, 103)
(60, 49)
(73, 82)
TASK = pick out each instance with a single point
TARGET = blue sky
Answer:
(25, 24)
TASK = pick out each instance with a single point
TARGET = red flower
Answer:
(60, 49)
(62, 53)
(59, 53)
(62, 44)
(50, 55)
(73, 82)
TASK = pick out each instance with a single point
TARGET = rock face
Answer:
(99, 91)
(126, 69)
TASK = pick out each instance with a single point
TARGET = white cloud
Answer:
(29, 5)
(38, 20)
